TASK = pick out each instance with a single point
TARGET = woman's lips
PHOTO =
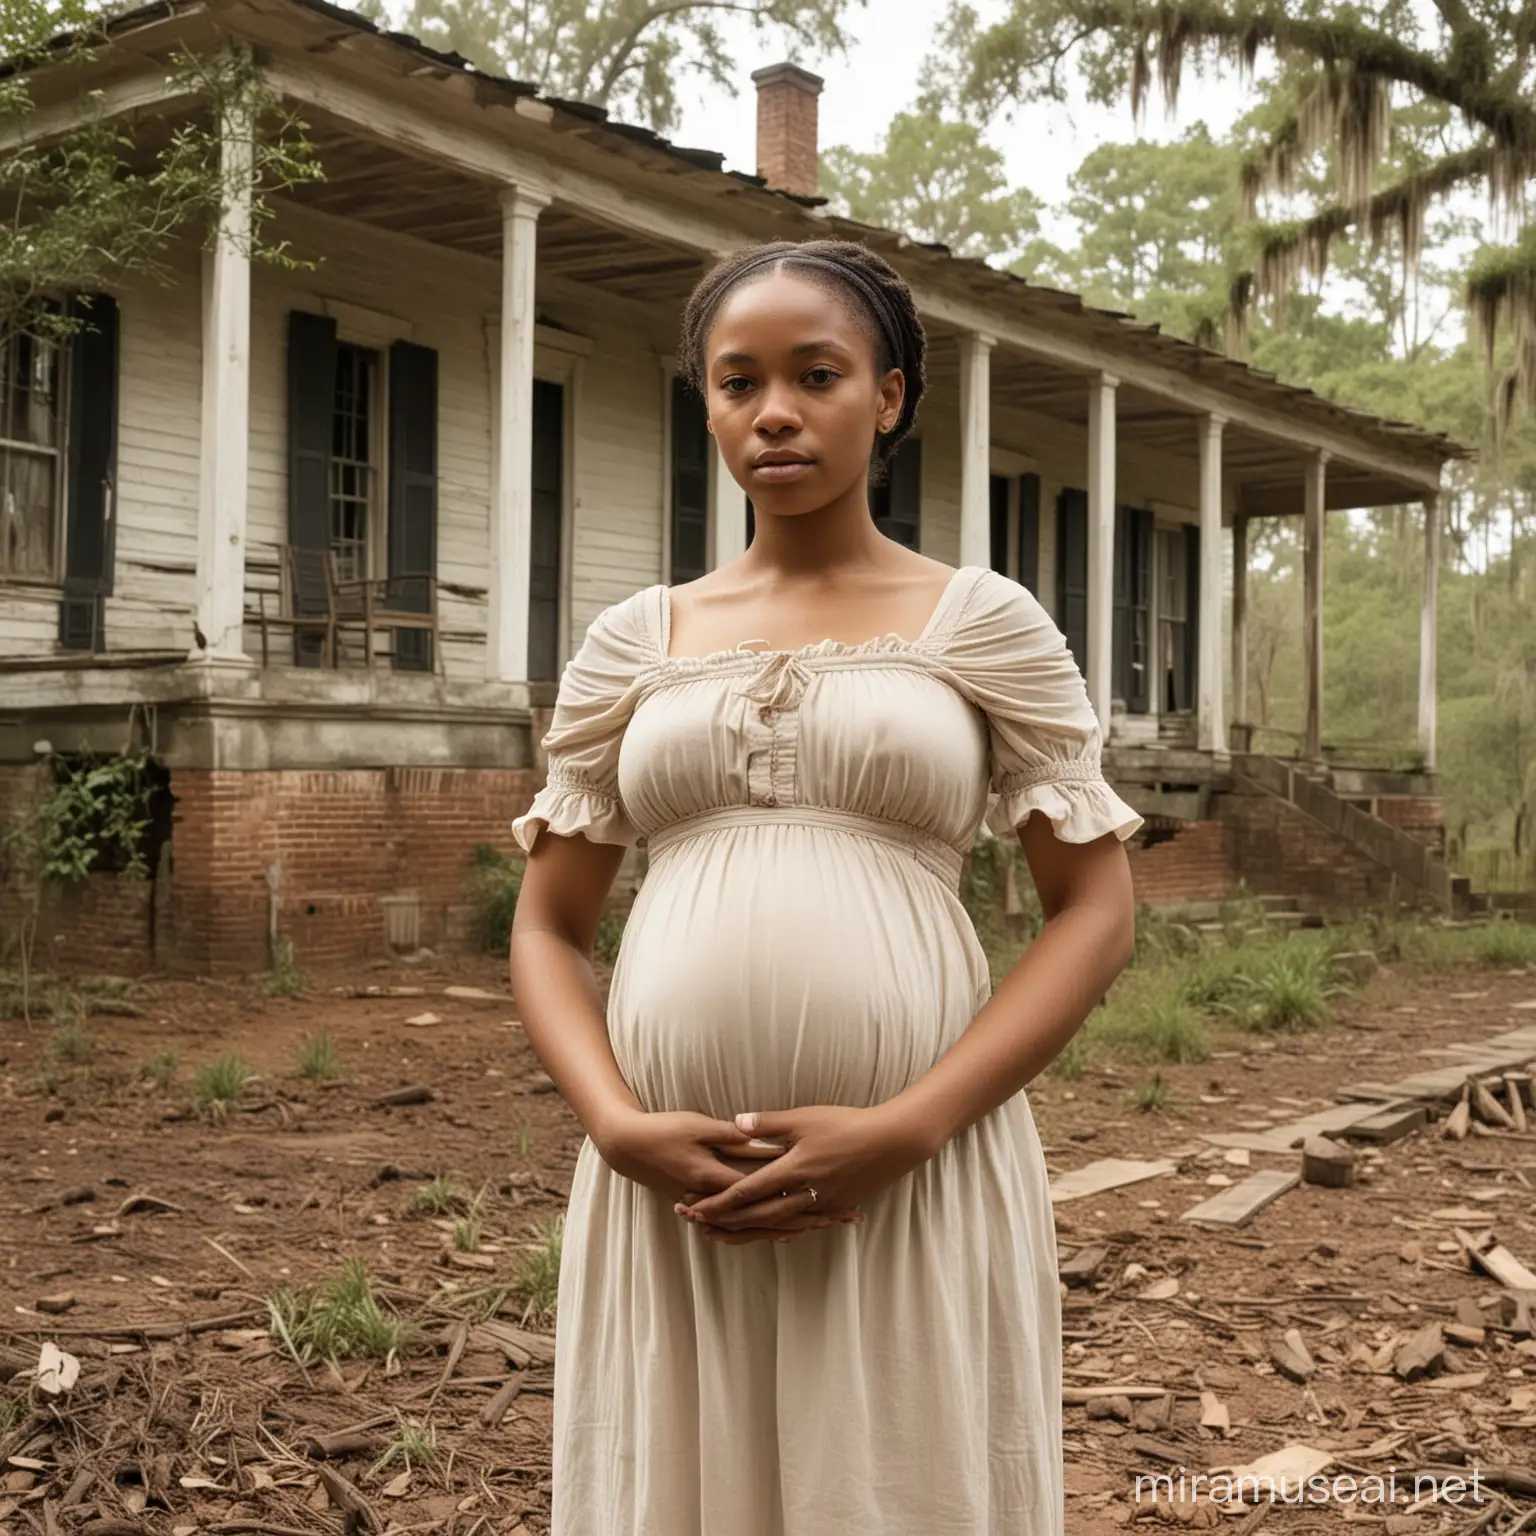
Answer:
(779, 473)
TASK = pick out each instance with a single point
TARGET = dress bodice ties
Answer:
(780, 682)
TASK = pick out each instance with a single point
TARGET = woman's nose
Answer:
(777, 410)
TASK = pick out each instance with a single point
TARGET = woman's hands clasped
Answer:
(844, 1154)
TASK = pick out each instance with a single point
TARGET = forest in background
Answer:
(1410, 119)
(1152, 228)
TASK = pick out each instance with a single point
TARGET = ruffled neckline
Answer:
(889, 643)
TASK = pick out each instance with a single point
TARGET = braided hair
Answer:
(854, 272)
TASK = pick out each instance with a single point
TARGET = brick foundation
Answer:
(1280, 850)
(336, 842)
(340, 841)
(1420, 816)
(1178, 861)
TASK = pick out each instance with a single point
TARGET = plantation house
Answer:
(323, 537)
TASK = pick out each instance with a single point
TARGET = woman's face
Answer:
(793, 391)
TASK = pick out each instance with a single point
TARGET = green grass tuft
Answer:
(218, 1085)
(161, 1069)
(71, 1044)
(444, 1195)
(315, 1058)
(413, 1444)
(337, 1319)
(1152, 1096)
(285, 979)
(1292, 989)
(536, 1279)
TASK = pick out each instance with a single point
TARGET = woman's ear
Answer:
(893, 394)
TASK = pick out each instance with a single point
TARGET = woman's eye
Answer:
(735, 385)
(820, 376)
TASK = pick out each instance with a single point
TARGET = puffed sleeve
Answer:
(1013, 663)
(598, 692)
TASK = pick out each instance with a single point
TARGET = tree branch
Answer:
(624, 48)
(1290, 251)
(1181, 25)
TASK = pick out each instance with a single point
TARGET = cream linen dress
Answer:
(798, 940)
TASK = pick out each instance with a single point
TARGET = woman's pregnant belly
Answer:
(776, 965)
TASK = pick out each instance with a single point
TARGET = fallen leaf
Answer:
(1162, 1290)
(199, 1482)
(56, 1371)
(396, 1487)
(1285, 1469)
(423, 1020)
(1214, 1413)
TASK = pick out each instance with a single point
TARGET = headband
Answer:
(885, 313)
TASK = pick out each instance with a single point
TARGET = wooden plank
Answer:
(1368, 1093)
(1237, 1206)
(1391, 1124)
(1249, 1141)
(1106, 1174)
(1499, 1262)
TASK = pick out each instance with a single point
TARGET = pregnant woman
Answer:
(809, 1276)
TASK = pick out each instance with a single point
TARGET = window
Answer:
(692, 449)
(1173, 619)
(31, 456)
(896, 503)
(354, 467)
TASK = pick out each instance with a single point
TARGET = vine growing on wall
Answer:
(95, 817)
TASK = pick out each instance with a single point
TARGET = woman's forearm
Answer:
(562, 1014)
(1039, 1006)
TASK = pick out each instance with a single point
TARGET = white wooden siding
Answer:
(446, 300)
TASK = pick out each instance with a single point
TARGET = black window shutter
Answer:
(311, 419)
(1144, 525)
(311, 411)
(1125, 554)
(897, 505)
(89, 512)
(1192, 614)
(1029, 532)
(1133, 599)
(997, 493)
(548, 531)
(412, 494)
(1072, 572)
(691, 449)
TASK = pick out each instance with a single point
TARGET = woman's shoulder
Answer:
(994, 610)
(631, 628)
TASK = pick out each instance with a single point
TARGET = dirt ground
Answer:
(187, 1417)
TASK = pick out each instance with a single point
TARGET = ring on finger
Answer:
(784, 1193)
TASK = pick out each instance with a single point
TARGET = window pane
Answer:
(29, 412)
(29, 482)
(352, 467)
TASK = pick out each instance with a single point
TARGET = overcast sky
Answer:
(879, 77)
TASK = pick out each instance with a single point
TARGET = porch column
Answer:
(1240, 618)
(1211, 695)
(512, 496)
(1312, 601)
(728, 517)
(975, 448)
(225, 426)
(1101, 544)
(1428, 654)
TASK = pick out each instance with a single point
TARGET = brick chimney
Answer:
(787, 154)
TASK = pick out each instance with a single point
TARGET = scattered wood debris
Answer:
(1106, 1174)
